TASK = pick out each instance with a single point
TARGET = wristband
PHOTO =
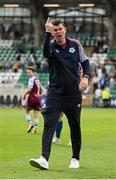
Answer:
(86, 76)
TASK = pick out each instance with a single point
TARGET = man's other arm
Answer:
(47, 46)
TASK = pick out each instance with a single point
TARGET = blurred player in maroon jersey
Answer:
(34, 93)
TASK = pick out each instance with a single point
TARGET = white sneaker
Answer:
(74, 163)
(56, 141)
(40, 163)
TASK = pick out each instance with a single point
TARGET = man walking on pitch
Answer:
(34, 93)
(64, 92)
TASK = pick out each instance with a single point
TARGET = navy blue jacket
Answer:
(64, 67)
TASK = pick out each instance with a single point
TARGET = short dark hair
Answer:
(31, 68)
(57, 22)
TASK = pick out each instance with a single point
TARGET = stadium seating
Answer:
(98, 58)
(8, 100)
(23, 79)
(2, 100)
(111, 53)
(9, 77)
(6, 43)
(15, 100)
(8, 53)
(42, 76)
(86, 39)
(113, 92)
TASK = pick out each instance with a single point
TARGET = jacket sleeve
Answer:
(84, 61)
(47, 45)
(86, 68)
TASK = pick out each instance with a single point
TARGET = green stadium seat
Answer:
(111, 52)
(2, 100)
(8, 100)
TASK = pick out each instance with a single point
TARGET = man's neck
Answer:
(62, 42)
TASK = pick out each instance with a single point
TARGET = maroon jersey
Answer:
(34, 98)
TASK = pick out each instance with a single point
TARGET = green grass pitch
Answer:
(98, 154)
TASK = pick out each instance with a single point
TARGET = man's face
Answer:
(29, 73)
(59, 32)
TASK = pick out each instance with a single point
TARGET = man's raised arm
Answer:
(48, 29)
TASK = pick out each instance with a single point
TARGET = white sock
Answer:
(28, 118)
(36, 122)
